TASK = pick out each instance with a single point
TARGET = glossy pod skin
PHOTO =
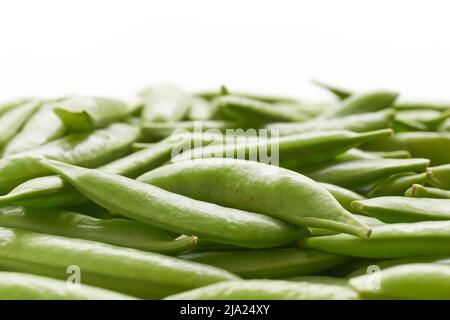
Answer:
(42, 127)
(389, 241)
(267, 290)
(412, 281)
(269, 263)
(439, 176)
(176, 213)
(137, 273)
(356, 173)
(397, 184)
(419, 191)
(87, 113)
(370, 221)
(22, 286)
(404, 209)
(13, 119)
(257, 187)
(120, 232)
(89, 149)
(291, 151)
(344, 196)
(431, 145)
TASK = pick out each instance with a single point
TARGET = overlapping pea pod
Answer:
(176, 213)
(344, 196)
(52, 191)
(420, 120)
(120, 232)
(368, 220)
(88, 149)
(87, 113)
(268, 290)
(137, 273)
(389, 241)
(269, 263)
(420, 191)
(257, 187)
(339, 93)
(439, 176)
(291, 151)
(21, 286)
(424, 281)
(200, 109)
(5, 106)
(357, 154)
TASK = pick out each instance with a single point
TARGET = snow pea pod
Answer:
(267, 290)
(370, 221)
(389, 241)
(422, 281)
(176, 213)
(344, 196)
(404, 209)
(41, 128)
(89, 149)
(340, 93)
(432, 145)
(164, 103)
(396, 184)
(21, 286)
(141, 274)
(13, 119)
(359, 172)
(291, 151)
(120, 232)
(420, 191)
(268, 263)
(87, 113)
(257, 187)
(439, 176)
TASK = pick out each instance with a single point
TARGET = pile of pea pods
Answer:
(151, 199)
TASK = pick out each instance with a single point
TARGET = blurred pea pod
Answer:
(164, 103)
(420, 191)
(420, 120)
(86, 113)
(12, 120)
(5, 106)
(42, 127)
(422, 105)
(432, 145)
(88, 149)
(200, 109)
(339, 93)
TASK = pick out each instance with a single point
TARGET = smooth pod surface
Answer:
(420, 191)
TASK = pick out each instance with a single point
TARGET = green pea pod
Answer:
(344, 196)
(428, 119)
(268, 263)
(87, 113)
(13, 119)
(370, 221)
(320, 280)
(357, 154)
(120, 232)
(42, 127)
(432, 145)
(396, 184)
(176, 213)
(404, 209)
(421, 281)
(8, 105)
(419, 191)
(21, 286)
(291, 151)
(357, 123)
(389, 241)
(223, 91)
(340, 93)
(359, 172)
(164, 103)
(421, 105)
(201, 109)
(138, 146)
(267, 290)
(439, 176)
(398, 154)
(89, 149)
(270, 190)
(141, 274)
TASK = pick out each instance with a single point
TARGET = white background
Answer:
(54, 47)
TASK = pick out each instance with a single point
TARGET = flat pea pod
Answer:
(269, 263)
(421, 105)
(355, 173)
(176, 213)
(421, 281)
(339, 93)
(439, 176)
(120, 232)
(21, 286)
(13, 119)
(398, 154)
(389, 241)
(426, 119)
(419, 191)
(137, 273)
(200, 109)
(267, 290)
(432, 145)
(397, 184)
(290, 151)
(370, 221)
(257, 187)
(42, 127)
(89, 149)
(358, 123)
(344, 196)
(87, 113)
(404, 209)
(138, 146)
(212, 94)
(164, 102)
